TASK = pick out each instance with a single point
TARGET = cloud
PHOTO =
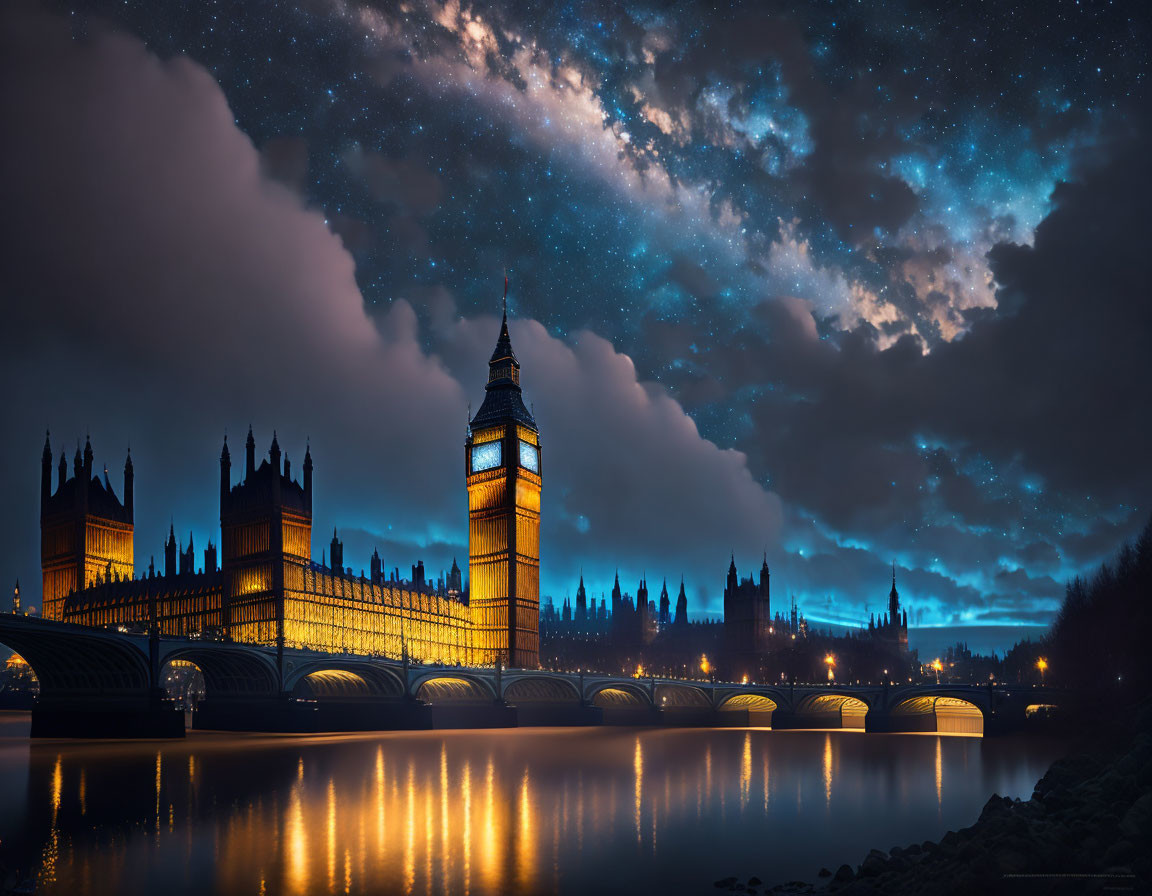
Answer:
(167, 287)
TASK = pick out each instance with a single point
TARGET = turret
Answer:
(188, 558)
(664, 603)
(733, 581)
(16, 610)
(63, 470)
(336, 549)
(129, 485)
(375, 568)
(274, 457)
(210, 558)
(87, 461)
(616, 596)
(764, 575)
(45, 474)
(681, 606)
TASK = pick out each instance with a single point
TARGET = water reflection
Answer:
(486, 812)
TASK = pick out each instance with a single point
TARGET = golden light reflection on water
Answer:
(471, 812)
(331, 830)
(297, 842)
(526, 839)
(939, 771)
(828, 769)
(638, 769)
(745, 770)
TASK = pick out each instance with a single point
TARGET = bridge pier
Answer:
(783, 720)
(287, 715)
(549, 715)
(95, 717)
(638, 716)
(745, 718)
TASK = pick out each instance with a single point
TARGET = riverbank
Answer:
(1079, 832)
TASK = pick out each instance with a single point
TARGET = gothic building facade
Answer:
(268, 590)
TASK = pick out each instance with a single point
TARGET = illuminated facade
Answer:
(267, 589)
(502, 463)
(85, 530)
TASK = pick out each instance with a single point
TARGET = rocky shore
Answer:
(1086, 828)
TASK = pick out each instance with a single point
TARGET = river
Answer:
(569, 810)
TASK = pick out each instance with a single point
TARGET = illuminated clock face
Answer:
(486, 456)
(529, 456)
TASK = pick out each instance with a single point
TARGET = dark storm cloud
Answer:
(161, 287)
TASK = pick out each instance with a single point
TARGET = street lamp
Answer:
(937, 665)
(1042, 665)
(831, 661)
(705, 666)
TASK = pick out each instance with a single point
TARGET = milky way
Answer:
(814, 226)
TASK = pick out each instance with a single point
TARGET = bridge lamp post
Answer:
(1042, 665)
(937, 666)
(831, 661)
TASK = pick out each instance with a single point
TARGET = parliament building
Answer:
(261, 585)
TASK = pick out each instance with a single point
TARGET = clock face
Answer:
(529, 456)
(486, 456)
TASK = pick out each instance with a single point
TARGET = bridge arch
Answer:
(73, 660)
(619, 694)
(230, 671)
(939, 713)
(832, 711)
(326, 679)
(681, 695)
(749, 702)
(541, 689)
(453, 688)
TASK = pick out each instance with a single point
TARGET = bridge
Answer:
(102, 683)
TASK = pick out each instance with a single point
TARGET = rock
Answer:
(824, 872)
(844, 874)
(1120, 852)
(725, 883)
(1137, 821)
(873, 864)
(755, 882)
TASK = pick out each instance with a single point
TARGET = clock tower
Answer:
(502, 464)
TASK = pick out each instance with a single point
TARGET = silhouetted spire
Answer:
(308, 475)
(45, 472)
(249, 454)
(225, 474)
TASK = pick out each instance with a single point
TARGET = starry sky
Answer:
(844, 284)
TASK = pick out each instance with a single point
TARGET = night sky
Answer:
(846, 283)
